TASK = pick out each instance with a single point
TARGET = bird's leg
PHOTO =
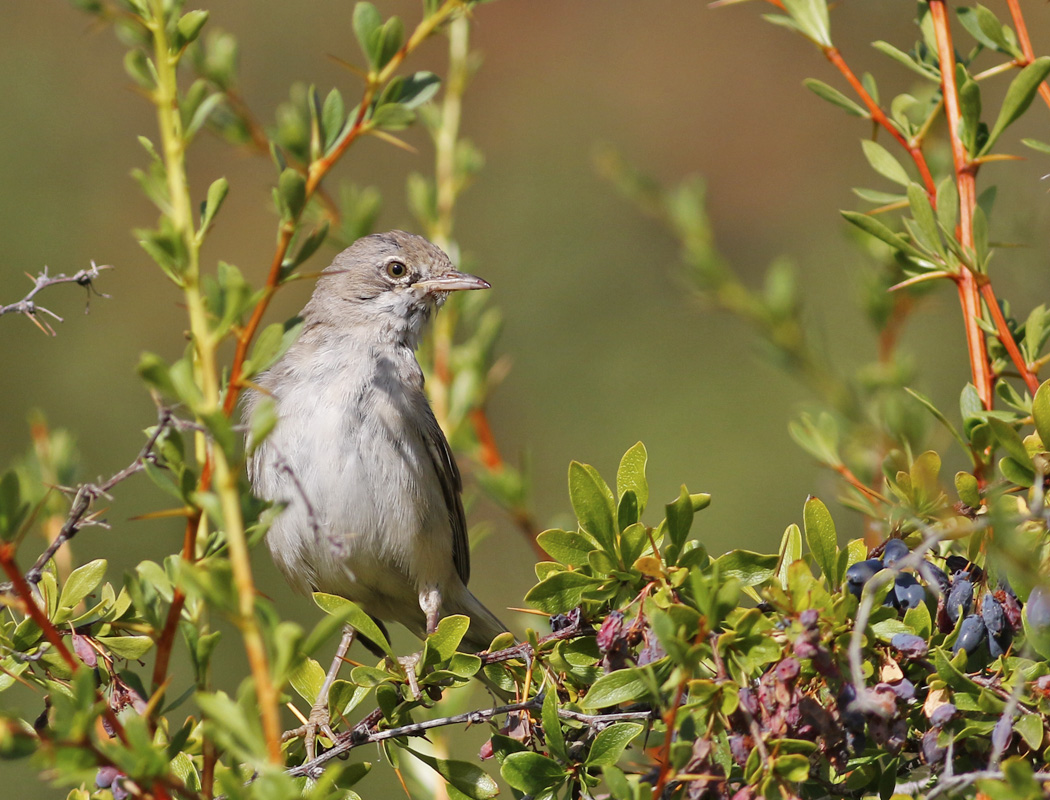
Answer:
(319, 720)
(430, 602)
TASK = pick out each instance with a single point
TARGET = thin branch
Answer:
(949, 785)
(1025, 41)
(29, 308)
(86, 494)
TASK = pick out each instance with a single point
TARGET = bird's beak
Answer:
(452, 282)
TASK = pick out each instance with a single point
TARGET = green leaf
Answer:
(532, 773)
(389, 40)
(129, 647)
(901, 57)
(884, 163)
(790, 552)
(750, 568)
(367, 23)
(560, 592)
(1030, 727)
(621, 686)
(216, 195)
(877, 229)
(449, 634)
(469, 779)
(822, 539)
(1041, 412)
(630, 476)
(968, 488)
(929, 406)
(81, 582)
(291, 188)
(1019, 96)
(970, 105)
(393, 117)
(355, 617)
(333, 118)
(154, 371)
(1011, 442)
(552, 726)
(926, 230)
(811, 17)
(835, 97)
(307, 679)
(411, 91)
(190, 25)
(1035, 144)
(985, 27)
(567, 547)
(947, 203)
(592, 501)
(610, 743)
(792, 767)
(679, 518)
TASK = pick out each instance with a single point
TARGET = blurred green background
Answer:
(607, 345)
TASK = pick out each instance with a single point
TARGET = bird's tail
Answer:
(484, 625)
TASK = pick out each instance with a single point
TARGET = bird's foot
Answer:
(318, 723)
(409, 664)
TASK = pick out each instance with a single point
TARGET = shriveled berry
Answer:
(809, 618)
(894, 551)
(992, 614)
(971, 634)
(942, 715)
(910, 645)
(904, 689)
(860, 573)
(909, 592)
(960, 599)
(787, 670)
(931, 752)
(805, 649)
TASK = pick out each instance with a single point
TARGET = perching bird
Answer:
(370, 486)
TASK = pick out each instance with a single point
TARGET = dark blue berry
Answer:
(934, 576)
(909, 592)
(993, 616)
(894, 551)
(971, 634)
(860, 573)
(960, 599)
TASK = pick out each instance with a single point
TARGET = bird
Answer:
(370, 489)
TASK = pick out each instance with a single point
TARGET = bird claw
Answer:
(319, 722)
(409, 664)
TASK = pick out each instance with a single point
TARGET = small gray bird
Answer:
(370, 486)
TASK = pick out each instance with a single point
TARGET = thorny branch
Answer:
(86, 494)
(28, 307)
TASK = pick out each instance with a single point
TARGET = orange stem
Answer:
(21, 587)
(1030, 380)
(879, 116)
(966, 180)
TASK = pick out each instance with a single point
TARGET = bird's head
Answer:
(390, 282)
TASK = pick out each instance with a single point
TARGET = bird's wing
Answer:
(452, 488)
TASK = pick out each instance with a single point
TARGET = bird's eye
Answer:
(395, 269)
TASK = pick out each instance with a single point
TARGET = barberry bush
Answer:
(909, 662)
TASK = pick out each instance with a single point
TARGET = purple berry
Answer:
(992, 614)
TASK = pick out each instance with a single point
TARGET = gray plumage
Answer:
(372, 492)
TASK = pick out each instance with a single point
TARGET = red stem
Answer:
(966, 180)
